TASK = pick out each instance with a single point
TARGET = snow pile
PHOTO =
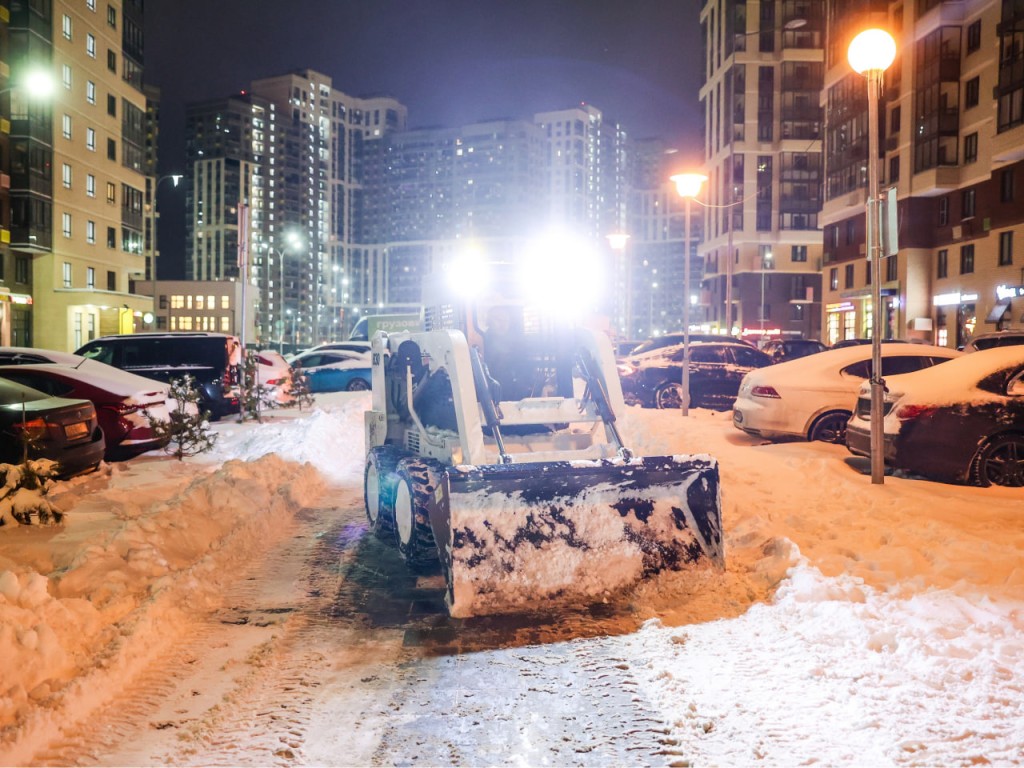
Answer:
(70, 634)
(843, 673)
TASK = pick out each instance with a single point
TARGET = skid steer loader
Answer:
(503, 458)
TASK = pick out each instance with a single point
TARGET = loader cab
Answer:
(523, 356)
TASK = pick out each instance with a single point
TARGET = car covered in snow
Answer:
(334, 370)
(275, 375)
(1007, 338)
(64, 430)
(126, 405)
(654, 379)
(963, 423)
(811, 398)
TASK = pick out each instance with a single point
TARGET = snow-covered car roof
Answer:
(106, 377)
(833, 360)
(955, 381)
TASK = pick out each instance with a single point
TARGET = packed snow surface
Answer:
(854, 624)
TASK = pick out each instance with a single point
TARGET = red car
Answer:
(125, 403)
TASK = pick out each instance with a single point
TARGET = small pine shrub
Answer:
(298, 390)
(188, 431)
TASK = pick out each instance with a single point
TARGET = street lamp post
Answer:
(766, 260)
(152, 216)
(292, 239)
(870, 54)
(688, 186)
(618, 242)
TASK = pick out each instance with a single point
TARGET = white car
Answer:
(813, 397)
(275, 374)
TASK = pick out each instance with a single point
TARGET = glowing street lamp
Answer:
(870, 54)
(688, 186)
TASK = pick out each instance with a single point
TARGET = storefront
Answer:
(15, 319)
(956, 317)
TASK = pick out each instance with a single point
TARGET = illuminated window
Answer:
(224, 303)
(90, 185)
(90, 278)
(66, 175)
(67, 272)
(90, 92)
(210, 302)
(177, 302)
(90, 139)
(90, 45)
(225, 325)
(200, 303)
(66, 226)
(66, 126)
(111, 193)
(66, 76)
(65, 26)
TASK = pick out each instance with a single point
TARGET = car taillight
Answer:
(764, 391)
(33, 429)
(910, 412)
(274, 382)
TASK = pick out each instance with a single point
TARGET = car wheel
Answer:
(358, 385)
(668, 395)
(1000, 462)
(830, 428)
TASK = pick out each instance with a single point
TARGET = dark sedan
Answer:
(716, 369)
(961, 422)
(55, 428)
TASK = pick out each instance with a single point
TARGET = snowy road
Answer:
(234, 611)
(327, 652)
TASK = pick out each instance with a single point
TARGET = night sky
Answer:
(449, 61)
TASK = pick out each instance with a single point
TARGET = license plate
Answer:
(77, 430)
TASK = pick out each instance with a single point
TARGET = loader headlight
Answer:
(564, 273)
(469, 275)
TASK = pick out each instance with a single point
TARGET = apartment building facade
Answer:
(952, 147)
(77, 165)
(288, 154)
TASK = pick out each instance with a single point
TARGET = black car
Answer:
(674, 339)
(961, 422)
(781, 350)
(716, 369)
(212, 359)
(55, 428)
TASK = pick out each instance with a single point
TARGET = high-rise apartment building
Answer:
(952, 147)
(291, 150)
(763, 74)
(77, 163)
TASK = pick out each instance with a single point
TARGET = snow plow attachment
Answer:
(516, 538)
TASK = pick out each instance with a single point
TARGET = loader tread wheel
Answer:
(379, 483)
(415, 498)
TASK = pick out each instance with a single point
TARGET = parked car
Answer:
(275, 374)
(56, 428)
(994, 339)
(361, 347)
(781, 350)
(126, 404)
(674, 339)
(961, 424)
(812, 398)
(334, 370)
(716, 368)
(843, 343)
(212, 359)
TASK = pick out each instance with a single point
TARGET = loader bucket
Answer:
(526, 537)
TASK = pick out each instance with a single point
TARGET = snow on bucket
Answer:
(523, 537)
